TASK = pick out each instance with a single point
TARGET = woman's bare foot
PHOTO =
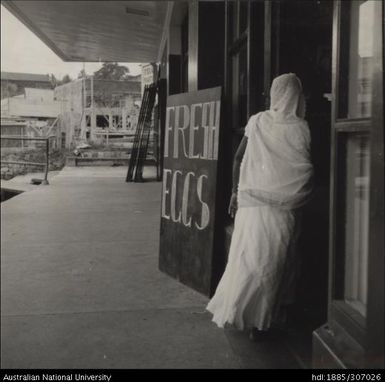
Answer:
(258, 335)
(264, 335)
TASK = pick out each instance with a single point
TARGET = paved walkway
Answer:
(80, 285)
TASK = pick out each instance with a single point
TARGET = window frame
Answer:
(342, 318)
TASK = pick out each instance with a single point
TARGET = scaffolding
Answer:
(94, 111)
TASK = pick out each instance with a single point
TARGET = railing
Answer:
(45, 165)
(54, 123)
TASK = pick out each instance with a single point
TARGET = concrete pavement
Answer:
(80, 285)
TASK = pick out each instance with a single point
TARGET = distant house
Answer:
(14, 83)
(33, 103)
(32, 114)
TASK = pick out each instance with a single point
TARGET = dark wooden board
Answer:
(189, 193)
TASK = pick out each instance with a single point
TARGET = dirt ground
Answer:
(8, 171)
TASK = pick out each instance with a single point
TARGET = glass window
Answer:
(233, 20)
(184, 61)
(356, 220)
(356, 59)
(238, 20)
(243, 81)
(243, 11)
(239, 86)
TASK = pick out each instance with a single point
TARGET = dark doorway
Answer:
(304, 47)
(102, 121)
(281, 37)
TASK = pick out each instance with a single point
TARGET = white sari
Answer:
(275, 177)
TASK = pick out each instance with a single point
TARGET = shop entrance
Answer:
(264, 40)
(303, 45)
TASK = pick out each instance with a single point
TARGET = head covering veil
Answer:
(286, 96)
(276, 168)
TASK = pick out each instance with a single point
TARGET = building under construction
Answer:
(96, 111)
(34, 113)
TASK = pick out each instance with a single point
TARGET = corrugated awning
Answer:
(92, 31)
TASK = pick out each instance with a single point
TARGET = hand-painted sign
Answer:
(189, 192)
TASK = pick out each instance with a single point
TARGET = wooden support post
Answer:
(110, 124)
(124, 119)
(45, 180)
(92, 111)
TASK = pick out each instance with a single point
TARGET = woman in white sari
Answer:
(272, 176)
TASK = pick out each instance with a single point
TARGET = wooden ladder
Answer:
(142, 135)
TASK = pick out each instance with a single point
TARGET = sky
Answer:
(22, 51)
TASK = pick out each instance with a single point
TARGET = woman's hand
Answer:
(233, 206)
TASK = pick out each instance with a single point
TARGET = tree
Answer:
(66, 78)
(112, 71)
(9, 89)
(82, 74)
(54, 81)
